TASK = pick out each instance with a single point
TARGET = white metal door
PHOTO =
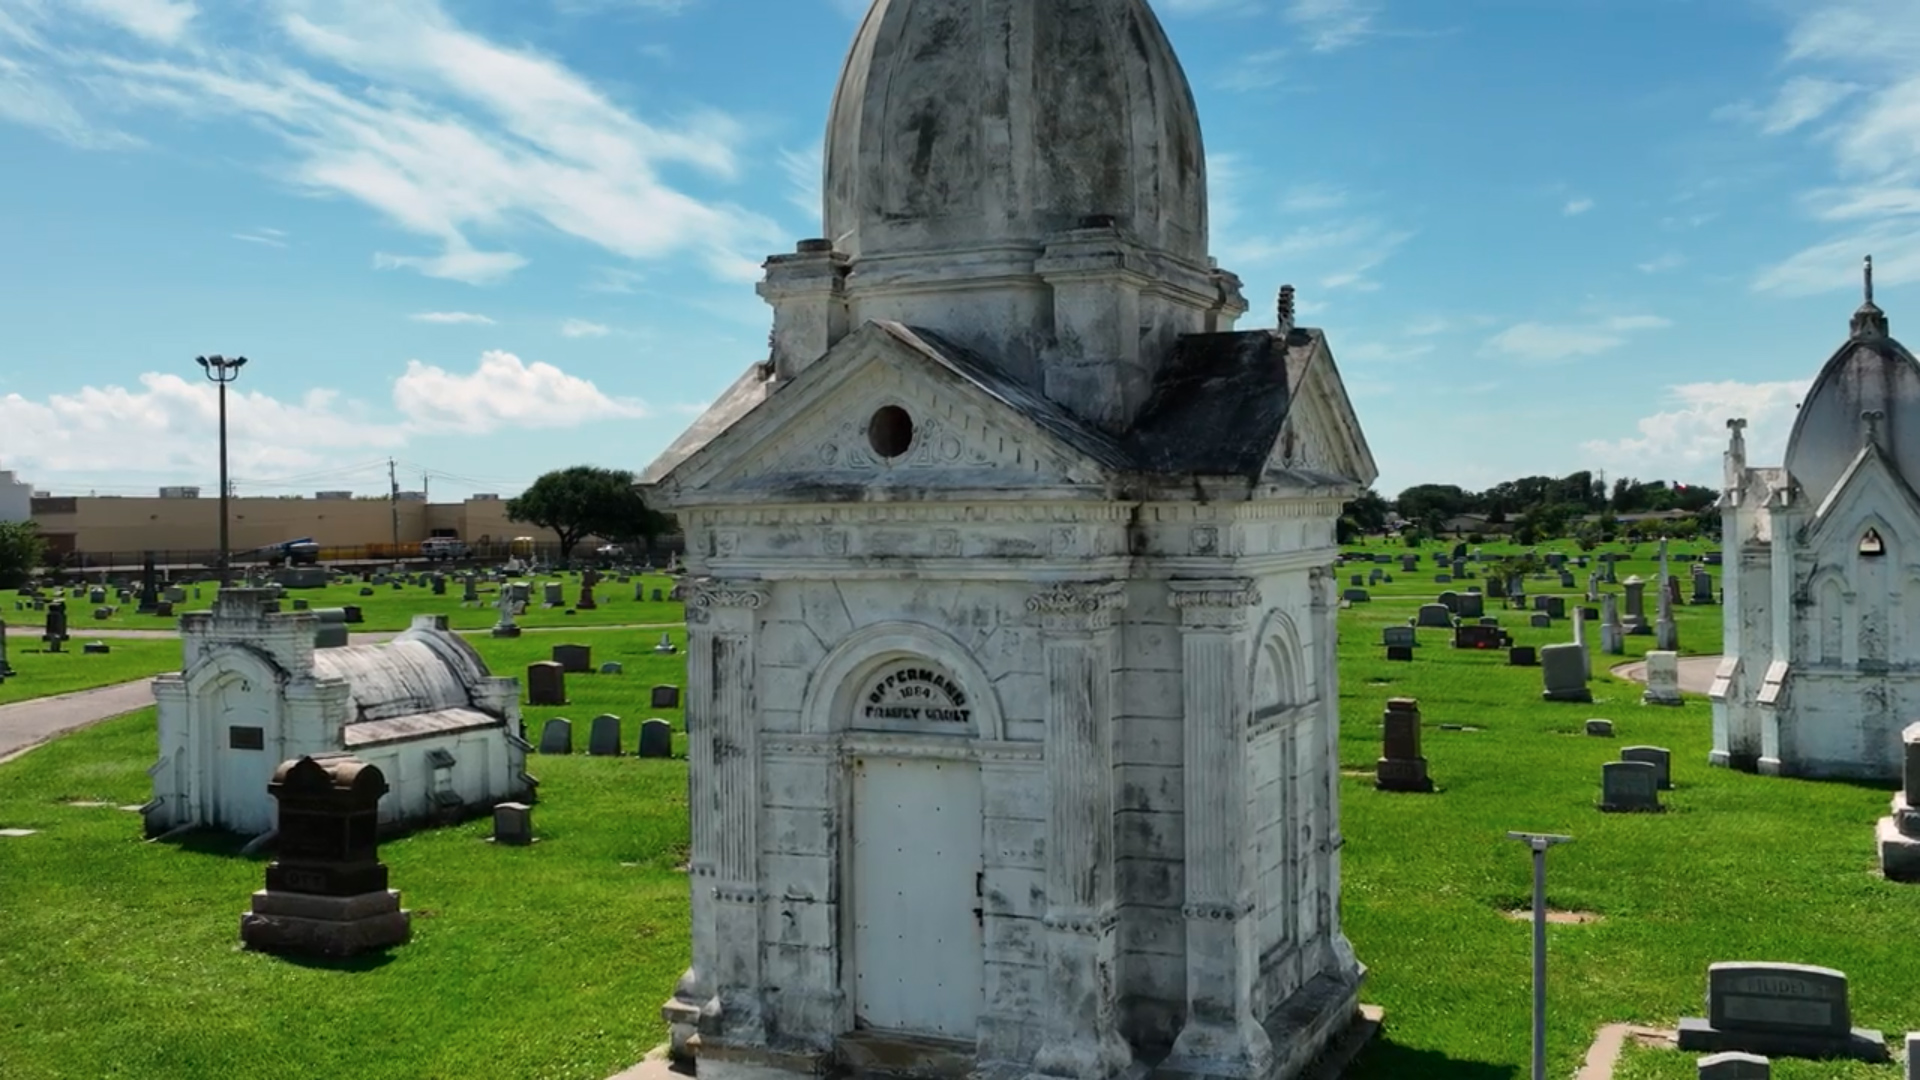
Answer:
(243, 761)
(916, 883)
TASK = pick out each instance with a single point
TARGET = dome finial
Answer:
(1869, 279)
(1869, 321)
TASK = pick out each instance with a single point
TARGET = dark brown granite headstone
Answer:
(1401, 767)
(546, 684)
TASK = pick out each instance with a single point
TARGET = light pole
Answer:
(1539, 842)
(222, 371)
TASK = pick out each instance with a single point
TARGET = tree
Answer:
(21, 552)
(585, 501)
(1368, 512)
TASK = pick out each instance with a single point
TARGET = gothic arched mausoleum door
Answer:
(916, 864)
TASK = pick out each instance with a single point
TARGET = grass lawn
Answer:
(1740, 867)
(391, 609)
(121, 958)
(41, 674)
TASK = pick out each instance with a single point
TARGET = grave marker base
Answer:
(1697, 1035)
(333, 926)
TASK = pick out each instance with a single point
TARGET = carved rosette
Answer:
(1221, 603)
(1083, 607)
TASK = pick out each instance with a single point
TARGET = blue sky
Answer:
(491, 237)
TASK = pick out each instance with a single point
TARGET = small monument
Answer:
(1666, 632)
(1629, 787)
(1613, 636)
(327, 892)
(666, 645)
(1663, 679)
(1898, 834)
(1401, 766)
(1563, 668)
(513, 824)
(1782, 1010)
(1657, 756)
(588, 579)
(506, 628)
(55, 635)
(1734, 1065)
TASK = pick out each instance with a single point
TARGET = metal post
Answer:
(1539, 843)
(222, 371)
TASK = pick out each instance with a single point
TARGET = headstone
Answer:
(1472, 605)
(504, 626)
(1593, 588)
(1476, 636)
(353, 615)
(1401, 766)
(149, 585)
(1522, 656)
(1566, 579)
(1601, 729)
(55, 634)
(1399, 635)
(1663, 678)
(1658, 757)
(470, 594)
(1400, 653)
(1702, 586)
(6, 672)
(326, 891)
(656, 739)
(1374, 577)
(1409, 563)
(1783, 1010)
(666, 696)
(666, 645)
(1357, 579)
(1442, 579)
(1628, 787)
(439, 585)
(513, 824)
(574, 659)
(1449, 600)
(1636, 591)
(546, 684)
(588, 579)
(603, 738)
(1497, 588)
(95, 648)
(1433, 615)
(1913, 1055)
(1556, 607)
(1613, 636)
(556, 737)
(612, 667)
(1666, 631)
(1898, 835)
(1734, 1065)
(1540, 620)
(552, 597)
(1357, 596)
(1563, 670)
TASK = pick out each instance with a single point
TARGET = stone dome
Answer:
(959, 124)
(1870, 373)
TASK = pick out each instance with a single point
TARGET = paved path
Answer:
(369, 637)
(26, 724)
(1696, 672)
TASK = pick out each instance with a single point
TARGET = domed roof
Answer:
(962, 124)
(1871, 373)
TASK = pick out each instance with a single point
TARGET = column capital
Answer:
(1219, 602)
(1078, 606)
(708, 597)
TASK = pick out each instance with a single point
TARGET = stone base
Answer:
(1317, 1016)
(1899, 853)
(506, 631)
(1392, 774)
(1698, 1036)
(1661, 697)
(1581, 694)
(330, 926)
(1618, 808)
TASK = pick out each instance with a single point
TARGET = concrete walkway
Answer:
(26, 724)
(1696, 672)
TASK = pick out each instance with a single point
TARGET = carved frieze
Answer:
(1218, 603)
(1078, 606)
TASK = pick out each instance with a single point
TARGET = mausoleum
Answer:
(1822, 575)
(1011, 669)
(254, 692)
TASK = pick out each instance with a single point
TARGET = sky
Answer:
(487, 238)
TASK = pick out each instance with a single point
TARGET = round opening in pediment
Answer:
(890, 432)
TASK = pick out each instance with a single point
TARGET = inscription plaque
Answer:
(246, 738)
(915, 696)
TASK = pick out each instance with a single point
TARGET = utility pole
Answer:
(221, 371)
(393, 500)
(1539, 842)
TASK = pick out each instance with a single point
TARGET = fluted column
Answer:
(1326, 659)
(721, 623)
(1222, 1036)
(694, 993)
(1078, 636)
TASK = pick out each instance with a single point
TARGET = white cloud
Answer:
(1576, 207)
(169, 425)
(161, 21)
(1331, 253)
(451, 318)
(581, 328)
(1550, 343)
(1689, 437)
(441, 131)
(1660, 264)
(1255, 71)
(1859, 53)
(267, 237)
(805, 171)
(504, 392)
(1331, 25)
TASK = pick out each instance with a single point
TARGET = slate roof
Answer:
(1215, 410)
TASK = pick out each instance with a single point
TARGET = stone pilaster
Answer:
(1222, 1037)
(720, 991)
(1082, 1040)
(1326, 663)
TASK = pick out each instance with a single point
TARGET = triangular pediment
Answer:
(886, 408)
(1870, 494)
(1321, 435)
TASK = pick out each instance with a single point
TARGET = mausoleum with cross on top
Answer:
(1822, 577)
(1011, 672)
